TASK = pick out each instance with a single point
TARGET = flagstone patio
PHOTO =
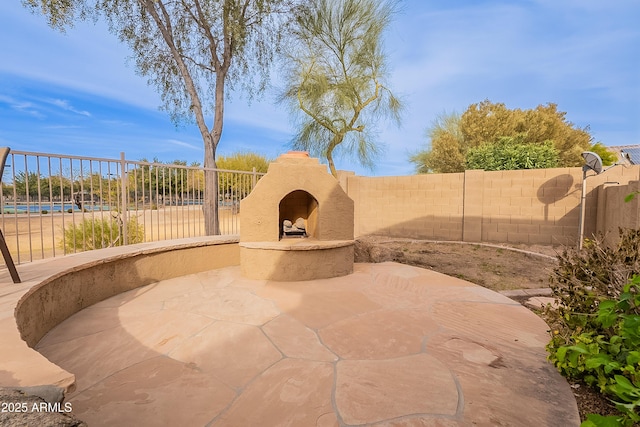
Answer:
(389, 345)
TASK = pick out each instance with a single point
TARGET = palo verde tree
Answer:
(335, 77)
(447, 146)
(190, 50)
(244, 161)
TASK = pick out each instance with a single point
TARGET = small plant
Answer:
(100, 233)
(607, 355)
(631, 196)
(44, 211)
(70, 210)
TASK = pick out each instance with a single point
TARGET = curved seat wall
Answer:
(55, 289)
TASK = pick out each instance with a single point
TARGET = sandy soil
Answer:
(496, 267)
(37, 236)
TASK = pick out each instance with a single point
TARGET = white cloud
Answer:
(63, 127)
(184, 144)
(581, 54)
(65, 105)
(117, 123)
(87, 57)
(24, 107)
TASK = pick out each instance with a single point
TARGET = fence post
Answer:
(253, 178)
(125, 197)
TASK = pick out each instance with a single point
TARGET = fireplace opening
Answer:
(298, 215)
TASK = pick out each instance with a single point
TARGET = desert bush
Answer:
(595, 323)
(585, 277)
(97, 233)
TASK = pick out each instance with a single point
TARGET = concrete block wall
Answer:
(614, 212)
(418, 206)
(525, 206)
(533, 206)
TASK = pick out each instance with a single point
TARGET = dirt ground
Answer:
(493, 266)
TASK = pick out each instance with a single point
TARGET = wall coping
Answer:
(23, 367)
(300, 244)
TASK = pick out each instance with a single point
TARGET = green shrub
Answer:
(509, 154)
(70, 210)
(607, 355)
(100, 233)
(596, 322)
(44, 211)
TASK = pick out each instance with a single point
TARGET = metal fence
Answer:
(53, 205)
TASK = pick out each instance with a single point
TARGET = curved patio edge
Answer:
(54, 289)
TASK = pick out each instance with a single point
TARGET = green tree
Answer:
(608, 158)
(509, 154)
(172, 181)
(60, 186)
(487, 122)
(238, 186)
(7, 190)
(335, 78)
(94, 185)
(190, 50)
(30, 184)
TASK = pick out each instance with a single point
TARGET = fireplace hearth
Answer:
(297, 223)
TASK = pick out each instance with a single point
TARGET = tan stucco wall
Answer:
(525, 206)
(296, 265)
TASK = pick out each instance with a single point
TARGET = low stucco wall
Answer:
(56, 289)
(285, 262)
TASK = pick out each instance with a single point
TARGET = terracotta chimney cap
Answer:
(296, 154)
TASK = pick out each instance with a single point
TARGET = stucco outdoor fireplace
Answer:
(297, 223)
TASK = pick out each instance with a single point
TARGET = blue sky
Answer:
(78, 94)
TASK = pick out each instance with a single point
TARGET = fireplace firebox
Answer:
(298, 215)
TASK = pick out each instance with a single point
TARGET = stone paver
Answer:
(389, 345)
(369, 391)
